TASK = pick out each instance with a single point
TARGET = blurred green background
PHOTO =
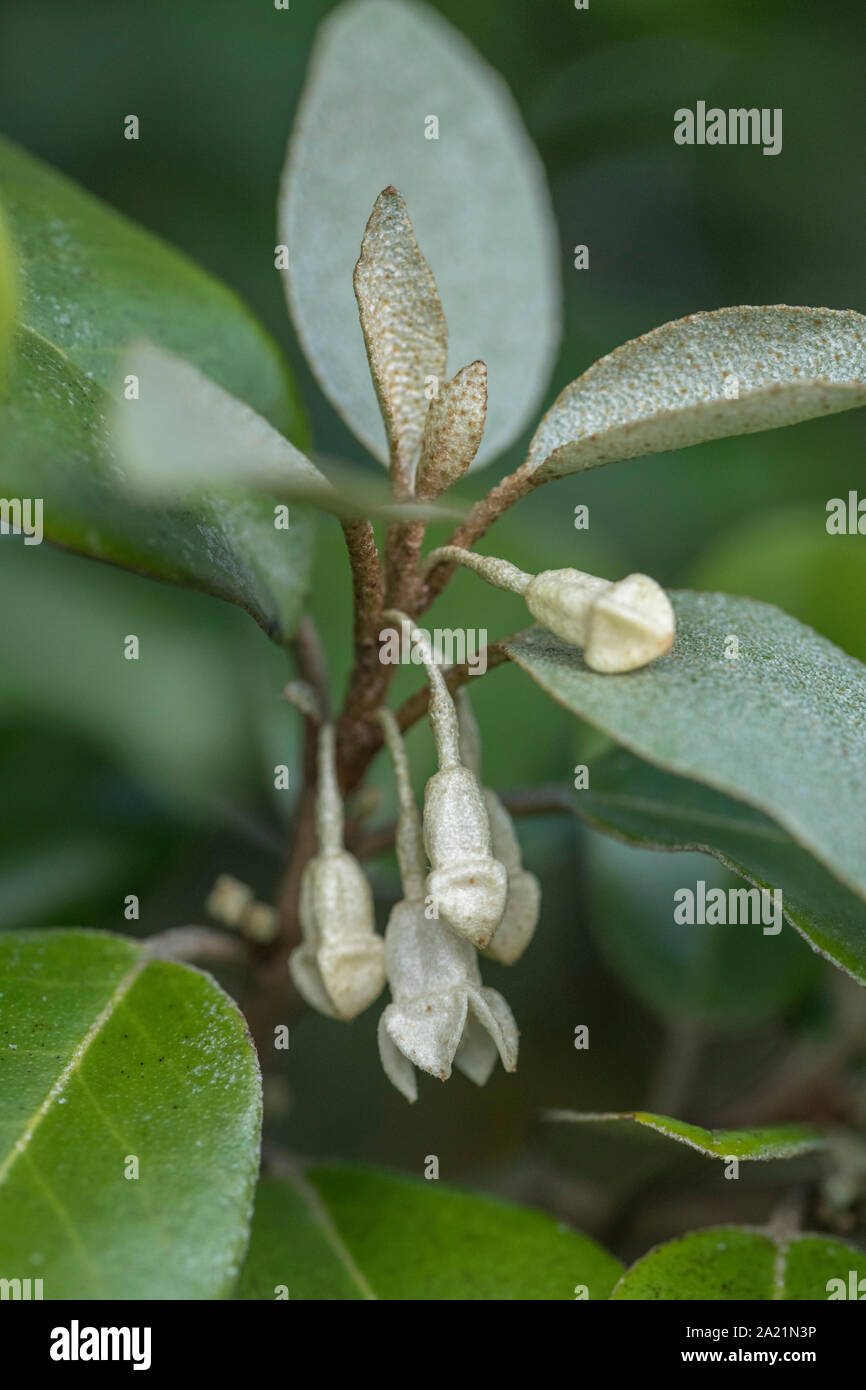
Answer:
(154, 785)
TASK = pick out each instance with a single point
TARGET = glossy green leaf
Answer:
(782, 727)
(380, 72)
(735, 1262)
(353, 1232)
(295, 1250)
(707, 376)
(91, 281)
(109, 1055)
(775, 1141)
(646, 807)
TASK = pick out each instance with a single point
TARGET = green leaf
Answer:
(108, 1054)
(707, 376)
(655, 810)
(476, 197)
(91, 281)
(353, 1232)
(775, 1141)
(8, 295)
(733, 1262)
(782, 727)
(228, 546)
(294, 1245)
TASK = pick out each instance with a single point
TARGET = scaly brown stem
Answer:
(370, 678)
(478, 522)
(405, 589)
(411, 711)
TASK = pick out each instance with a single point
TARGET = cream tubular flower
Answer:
(523, 902)
(339, 967)
(467, 884)
(441, 1014)
(620, 626)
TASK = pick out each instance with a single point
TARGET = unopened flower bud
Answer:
(228, 900)
(259, 922)
(466, 882)
(339, 968)
(621, 626)
(523, 901)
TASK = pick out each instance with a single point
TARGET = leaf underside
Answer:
(707, 376)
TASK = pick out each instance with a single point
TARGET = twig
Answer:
(478, 522)
(369, 680)
(404, 588)
(359, 756)
(195, 944)
(310, 660)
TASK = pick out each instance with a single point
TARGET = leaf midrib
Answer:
(22, 1143)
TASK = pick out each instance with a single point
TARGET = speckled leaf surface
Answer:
(734, 1262)
(646, 807)
(729, 371)
(403, 325)
(774, 1141)
(782, 727)
(108, 1055)
(453, 430)
(91, 282)
(389, 1236)
(476, 197)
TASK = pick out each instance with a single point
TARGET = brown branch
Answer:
(405, 588)
(370, 678)
(413, 709)
(478, 522)
(310, 661)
